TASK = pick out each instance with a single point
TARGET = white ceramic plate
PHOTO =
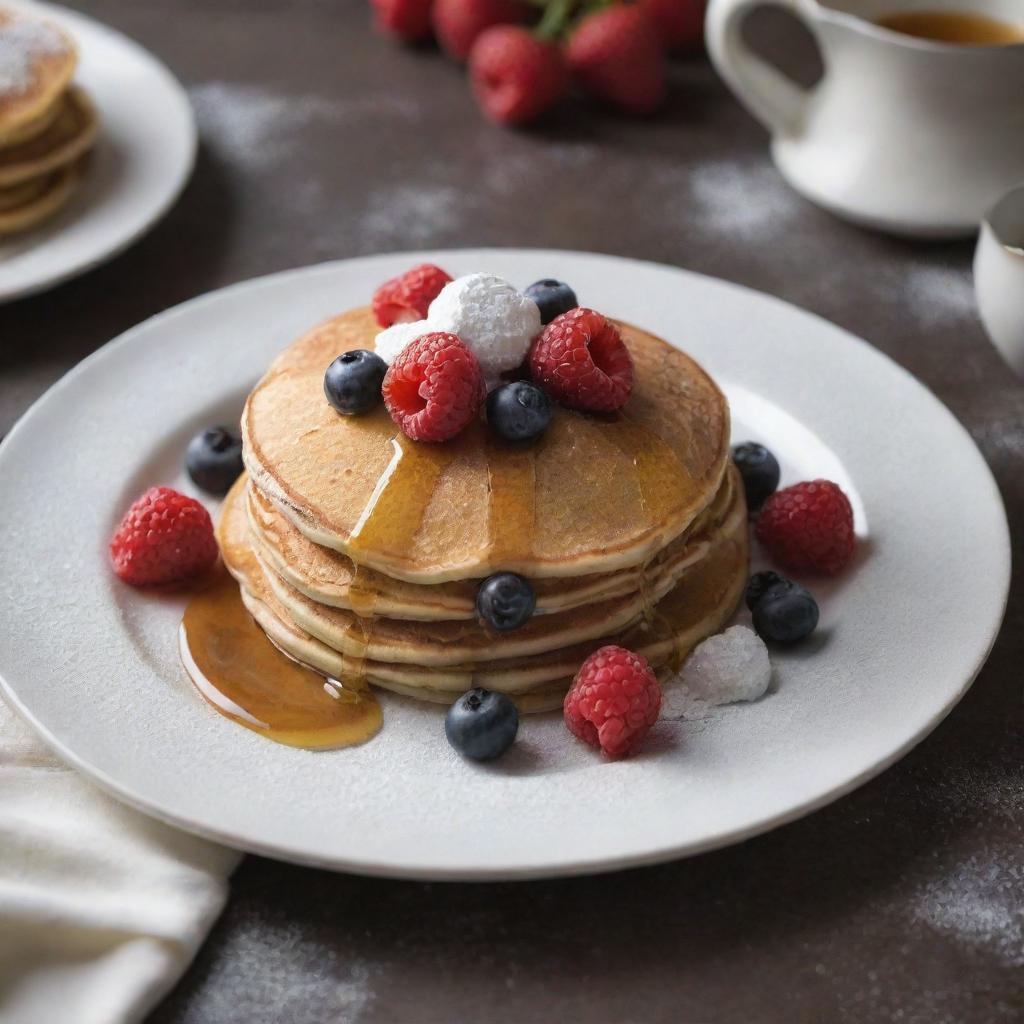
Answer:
(142, 160)
(94, 666)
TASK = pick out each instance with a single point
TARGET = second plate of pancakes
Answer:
(96, 669)
(92, 155)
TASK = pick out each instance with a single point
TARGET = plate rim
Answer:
(578, 865)
(78, 267)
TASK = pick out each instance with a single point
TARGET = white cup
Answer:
(999, 277)
(901, 134)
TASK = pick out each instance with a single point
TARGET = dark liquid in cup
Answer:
(954, 27)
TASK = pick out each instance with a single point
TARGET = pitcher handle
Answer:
(773, 98)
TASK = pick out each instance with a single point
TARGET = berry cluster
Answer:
(524, 57)
(447, 345)
(807, 527)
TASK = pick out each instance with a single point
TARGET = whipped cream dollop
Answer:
(495, 320)
(393, 339)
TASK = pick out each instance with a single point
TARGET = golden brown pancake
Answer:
(28, 205)
(595, 494)
(36, 126)
(37, 60)
(334, 641)
(329, 577)
(441, 643)
(25, 192)
(71, 134)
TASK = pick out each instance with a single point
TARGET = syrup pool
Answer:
(239, 671)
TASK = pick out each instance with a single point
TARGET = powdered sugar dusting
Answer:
(252, 125)
(22, 43)
(979, 904)
(734, 196)
(245, 980)
(257, 127)
(412, 215)
(938, 294)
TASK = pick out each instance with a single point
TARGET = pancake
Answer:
(37, 61)
(441, 643)
(404, 654)
(319, 657)
(71, 134)
(36, 126)
(692, 612)
(596, 494)
(30, 204)
(25, 192)
(331, 578)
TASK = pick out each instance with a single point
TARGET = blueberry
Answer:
(759, 469)
(214, 460)
(758, 584)
(553, 298)
(481, 725)
(519, 411)
(352, 382)
(505, 601)
(786, 613)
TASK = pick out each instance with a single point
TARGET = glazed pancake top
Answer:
(37, 61)
(597, 493)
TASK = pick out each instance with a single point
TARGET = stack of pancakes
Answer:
(360, 552)
(47, 125)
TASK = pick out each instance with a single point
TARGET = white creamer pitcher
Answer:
(907, 135)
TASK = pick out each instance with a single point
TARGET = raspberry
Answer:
(407, 19)
(164, 537)
(434, 387)
(581, 360)
(613, 701)
(680, 23)
(516, 76)
(408, 296)
(808, 526)
(457, 23)
(616, 55)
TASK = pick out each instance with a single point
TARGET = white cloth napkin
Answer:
(101, 908)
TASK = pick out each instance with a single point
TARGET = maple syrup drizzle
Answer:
(243, 675)
(363, 593)
(389, 521)
(660, 476)
(395, 509)
(363, 597)
(648, 603)
(512, 515)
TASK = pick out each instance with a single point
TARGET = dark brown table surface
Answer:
(901, 902)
